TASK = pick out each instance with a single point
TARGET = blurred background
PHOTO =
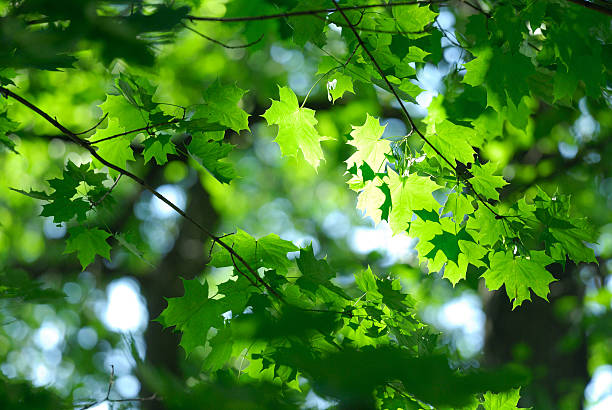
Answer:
(103, 319)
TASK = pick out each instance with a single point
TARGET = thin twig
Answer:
(477, 8)
(212, 40)
(147, 128)
(175, 105)
(94, 127)
(310, 12)
(374, 30)
(405, 110)
(593, 6)
(327, 73)
(242, 273)
(107, 193)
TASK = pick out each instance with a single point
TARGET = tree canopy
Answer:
(286, 201)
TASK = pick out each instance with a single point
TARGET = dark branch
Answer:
(212, 40)
(374, 30)
(310, 12)
(107, 193)
(147, 128)
(8, 93)
(413, 125)
(94, 127)
(593, 6)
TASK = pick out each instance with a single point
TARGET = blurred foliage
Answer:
(478, 128)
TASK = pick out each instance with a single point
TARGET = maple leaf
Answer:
(87, 243)
(193, 314)
(308, 28)
(269, 251)
(484, 182)
(370, 148)
(337, 80)
(563, 235)
(518, 274)
(221, 107)
(117, 151)
(413, 18)
(125, 116)
(7, 126)
(196, 311)
(221, 350)
(63, 209)
(408, 194)
(502, 401)
(158, 147)
(453, 141)
(371, 198)
(316, 273)
(485, 228)
(459, 205)
(505, 76)
(296, 127)
(63, 205)
(211, 155)
(445, 244)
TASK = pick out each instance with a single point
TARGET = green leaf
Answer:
(408, 194)
(221, 106)
(316, 273)
(308, 28)
(64, 202)
(87, 243)
(505, 76)
(485, 228)
(454, 142)
(296, 127)
(518, 274)
(6, 127)
(221, 350)
(269, 251)
(63, 209)
(16, 284)
(502, 401)
(338, 82)
(565, 83)
(392, 297)
(117, 151)
(211, 155)
(371, 198)
(123, 116)
(159, 146)
(413, 18)
(367, 282)
(446, 244)
(459, 204)
(195, 312)
(370, 148)
(34, 194)
(484, 182)
(564, 235)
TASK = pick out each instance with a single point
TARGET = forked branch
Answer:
(86, 145)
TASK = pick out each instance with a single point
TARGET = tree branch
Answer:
(121, 134)
(593, 6)
(413, 125)
(85, 144)
(212, 40)
(94, 127)
(310, 12)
